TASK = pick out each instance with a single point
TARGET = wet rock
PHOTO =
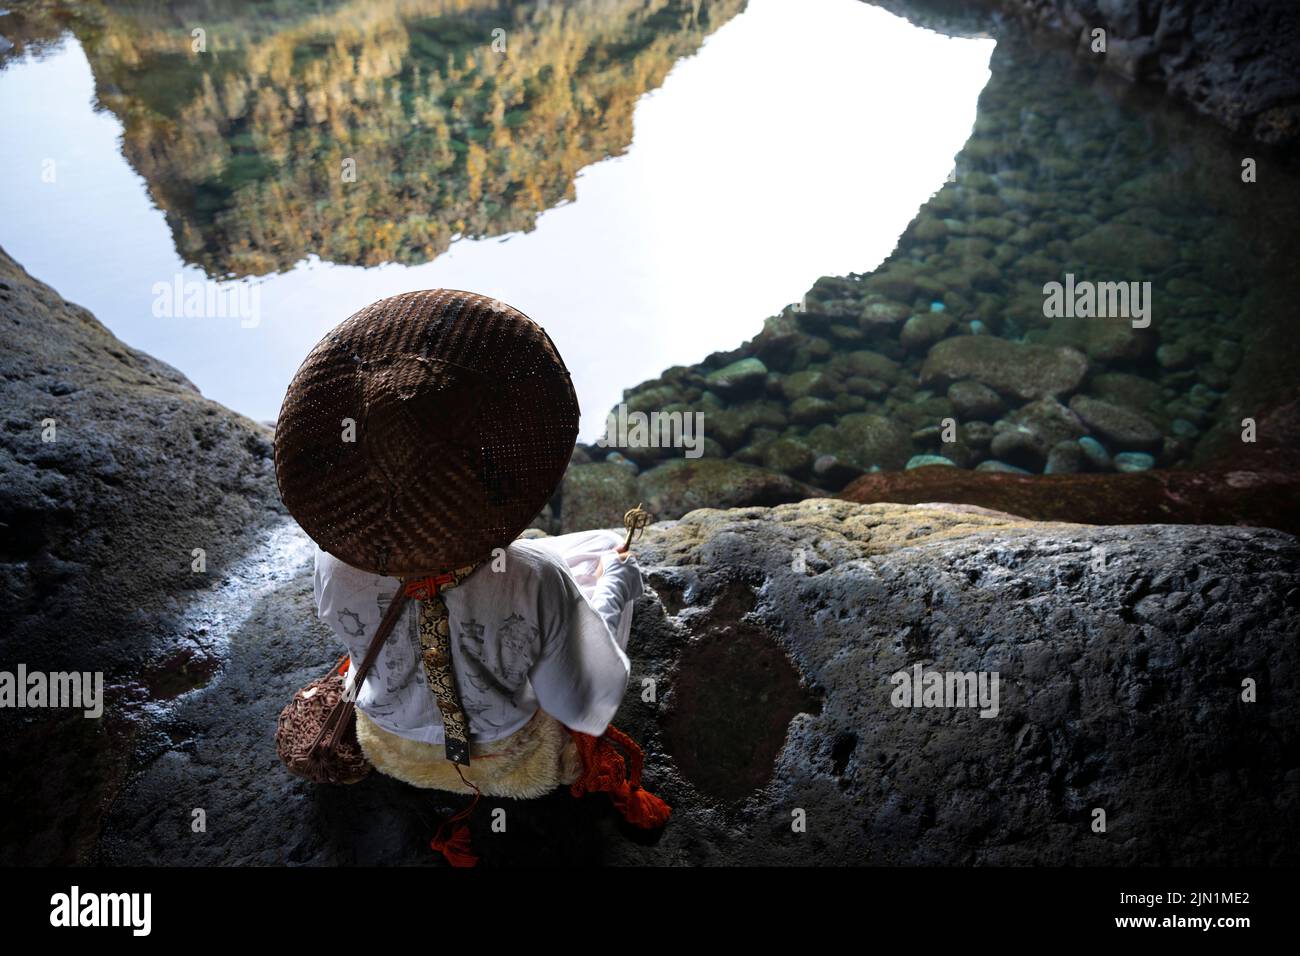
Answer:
(676, 487)
(1127, 461)
(813, 350)
(731, 426)
(1232, 61)
(810, 410)
(98, 531)
(973, 400)
(995, 465)
(924, 461)
(864, 440)
(622, 461)
(976, 434)
(1203, 396)
(928, 229)
(1101, 339)
(1065, 458)
(1117, 248)
(596, 496)
(804, 612)
(1012, 368)
(895, 281)
(865, 364)
(1120, 426)
(744, 377)
(990, 228)
(1176, 356)
(778, 344)
(1215, 378)
(789, 456)
(1049, 421)
(860, 386)
(1095, 453)
(1019, 445)
(1131, 391)
(1227, 356)
(810, 381)
(830, 472)
(846, 335)
(878, 312)
(1256, 493)
(652, 398)
(921, 331)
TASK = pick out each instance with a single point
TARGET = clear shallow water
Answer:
(1066, 173)
(798, 140)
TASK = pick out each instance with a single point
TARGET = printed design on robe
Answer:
(480, 701)
(357, 629)
(496, 668)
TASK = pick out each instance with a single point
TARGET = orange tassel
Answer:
(641, 808)
(604, 771)
(458, 849)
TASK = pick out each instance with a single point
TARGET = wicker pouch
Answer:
(316, 735)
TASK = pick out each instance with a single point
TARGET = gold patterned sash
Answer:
(435, 647)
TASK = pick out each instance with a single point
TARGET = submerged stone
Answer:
(1134, 461)
(745, 376)
(1123, 427)
(973, 400)
(1065, 458)
(993, 465)
(921, 461)
(1012, 368)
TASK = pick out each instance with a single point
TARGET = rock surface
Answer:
(1233, 61)
(771, 635)
(1012, 368)
(98, 529)
(1058, 179)
(1259, 492)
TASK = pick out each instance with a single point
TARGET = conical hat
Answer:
(425, 431)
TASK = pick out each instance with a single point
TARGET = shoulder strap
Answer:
(386, 626)
(339, 719)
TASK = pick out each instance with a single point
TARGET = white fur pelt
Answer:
(531, 762)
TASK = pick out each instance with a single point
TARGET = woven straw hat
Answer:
(465, 419)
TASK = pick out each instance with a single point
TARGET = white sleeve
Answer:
(617, 589)
(581, 675)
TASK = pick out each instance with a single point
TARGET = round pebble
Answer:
(615, 458)
(992, 465)
(1065, 458)
(1095, 452)
(920, 461)
(1134, 461)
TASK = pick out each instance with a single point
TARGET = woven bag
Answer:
(316, 735)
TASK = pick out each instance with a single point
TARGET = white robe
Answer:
(544, 631)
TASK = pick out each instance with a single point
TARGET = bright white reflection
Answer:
(798, 142)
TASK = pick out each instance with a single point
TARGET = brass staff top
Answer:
(635, 520)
